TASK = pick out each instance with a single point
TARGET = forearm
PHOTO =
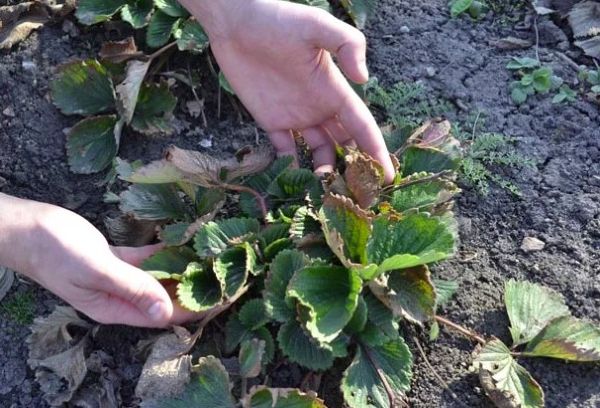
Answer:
(19, 229)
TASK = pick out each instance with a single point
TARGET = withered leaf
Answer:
(119, 51)
(168, 367)
(364, 178)
(19, 20)
(129, 89)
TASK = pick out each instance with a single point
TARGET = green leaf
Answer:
(359, 10)
(293, 183)
(92, 144)
(95, 11)
(522, 63)
(444, 290)
(232, 267)
(254, 314)
(191, 37)
(330, 294)
(272, 233)
(410, 241)
(154, 108)
(505, 381)
(530, 308)
(160, 29)
(171, 8)
(423, 196)
(199, 289)
(381, 316)
(362, 384)
(300, 348)
(214, 237)
(518, 95)
(595, 89)
(281, 270)
(567, 338)
(460, 6)
(304, 222)
(262, 397)
(209, 388)
(83, 88)
(174, 234)
(153, 202)
(235, 333)
(409, 293)
(428, 159)
(224, 83)
(359, 318)
(339, 215)
(137, 12)
(171, 260)
(542, 79)
(251, 357)
(323, 4)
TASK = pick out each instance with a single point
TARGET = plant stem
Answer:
(463, 330)
(244, 386)
(432, 177)
(388, 389)
(162, 50)
(243, 189)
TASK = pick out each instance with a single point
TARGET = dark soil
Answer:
(559, 203)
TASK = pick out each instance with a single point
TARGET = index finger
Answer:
(361, 126)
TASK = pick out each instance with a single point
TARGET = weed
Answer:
(533, 79)
(19, 308)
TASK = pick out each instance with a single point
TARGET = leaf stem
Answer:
(243, 189)
(463, 330)
(162, 50)
(435, 176)
(388, 389)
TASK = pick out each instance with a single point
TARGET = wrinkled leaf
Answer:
(409, 293)
(506, 382)
(95, 11)
(330, 295)
(414, 240)
(530, 308)
(214, 237)
(254, 314)
(92, 144)
(88, 75)
(250, 357)
(263, 397)
(209, 388)
(364, 178)
(171, 8)
(362, 384)
(199, 289)
(300, 348)
(137, 12)
(567, 338)
(154, 108)
(281, 270)
(153, 202)
(359, 318)
(232, 267)
(171, 260)
(423, 196)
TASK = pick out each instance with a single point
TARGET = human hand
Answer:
(277, 56)
(65, 254)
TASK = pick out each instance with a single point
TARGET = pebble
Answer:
(404, 29)
(9, 111)
(206, 143)
(532, 244)
(430, 72)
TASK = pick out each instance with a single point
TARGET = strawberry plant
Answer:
(533, 79)
(325, 269)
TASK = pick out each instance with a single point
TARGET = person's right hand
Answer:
(277, 56)
(68, 256)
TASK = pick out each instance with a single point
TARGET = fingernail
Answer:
(157, 311)
(364, 70)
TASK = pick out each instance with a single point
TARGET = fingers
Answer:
(136, 255)
(132, 297)
(323, 150)
(355, 117)
(344, 41)
(284, 144)
(338, 133)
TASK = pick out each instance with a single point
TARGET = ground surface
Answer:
(560, 203)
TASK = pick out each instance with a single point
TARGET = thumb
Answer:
(134, 297)
(347, 43)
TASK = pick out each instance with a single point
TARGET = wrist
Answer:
(217, 17)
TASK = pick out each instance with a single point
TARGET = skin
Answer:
(278, 57)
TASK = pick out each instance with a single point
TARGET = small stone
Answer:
(195, 108)
(532, 244)
(206, 143)
(430, 72)
(404, 29)
(29, 65)
(9, 111)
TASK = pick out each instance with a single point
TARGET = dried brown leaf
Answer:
(168, 367)
(251, 161)
(500, 398)
(364, 178)
(119, 51)
(590, 46)
(19, 20)
(334, 183)
(512, 43)
(129, 89)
